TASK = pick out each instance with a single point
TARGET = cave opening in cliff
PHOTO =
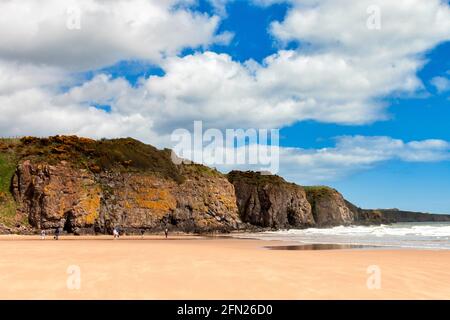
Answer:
(69, 225)
(291, 217)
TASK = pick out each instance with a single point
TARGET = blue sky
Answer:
(394, 184)
(358, 109)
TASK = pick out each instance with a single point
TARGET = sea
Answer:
(423, 235)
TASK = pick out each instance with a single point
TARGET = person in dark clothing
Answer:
(56, 237)
(166, 232)
(142, 233)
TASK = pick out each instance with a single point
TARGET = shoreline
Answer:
(269, 244)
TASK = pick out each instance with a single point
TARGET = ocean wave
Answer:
(404, 235)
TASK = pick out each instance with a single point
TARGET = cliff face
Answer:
(50, 195)
(328, 207)
(87, 186)
(269, 201)
(366, 217)
(83, 197)
(80, 201)
(204, 201)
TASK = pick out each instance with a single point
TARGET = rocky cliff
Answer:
(269, 201)
(366, 217)
(328, 207)
(86, 186)
(89, 186)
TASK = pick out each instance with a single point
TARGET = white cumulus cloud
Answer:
(89, 34)
(355, 153)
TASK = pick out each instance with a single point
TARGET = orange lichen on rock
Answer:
(160, 201)
(58, 191)
(83, 185)
(90, 205)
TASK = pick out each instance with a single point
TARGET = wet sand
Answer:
(187, 267)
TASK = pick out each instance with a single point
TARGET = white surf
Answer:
(433, 235)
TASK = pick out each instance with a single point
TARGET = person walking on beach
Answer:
(166, 232)
(42, 234)
(116, 233)
(142, 233)
(56, 237)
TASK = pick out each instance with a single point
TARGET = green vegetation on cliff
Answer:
(7, 203)
(200, 170)
(124, 154)
(318, 191)
(256, 178)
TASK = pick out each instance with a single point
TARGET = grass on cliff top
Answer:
(256, 178)
(318, 191)
(198, 169)
(7, 203)
(124, 154)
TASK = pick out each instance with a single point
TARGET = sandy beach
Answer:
(187, 267)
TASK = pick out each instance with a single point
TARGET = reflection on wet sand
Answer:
(320, 246)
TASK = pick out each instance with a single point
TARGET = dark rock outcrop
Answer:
(365, 217)
(270, 201)
(328, 207)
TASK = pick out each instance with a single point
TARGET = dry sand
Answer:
(211, 268)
